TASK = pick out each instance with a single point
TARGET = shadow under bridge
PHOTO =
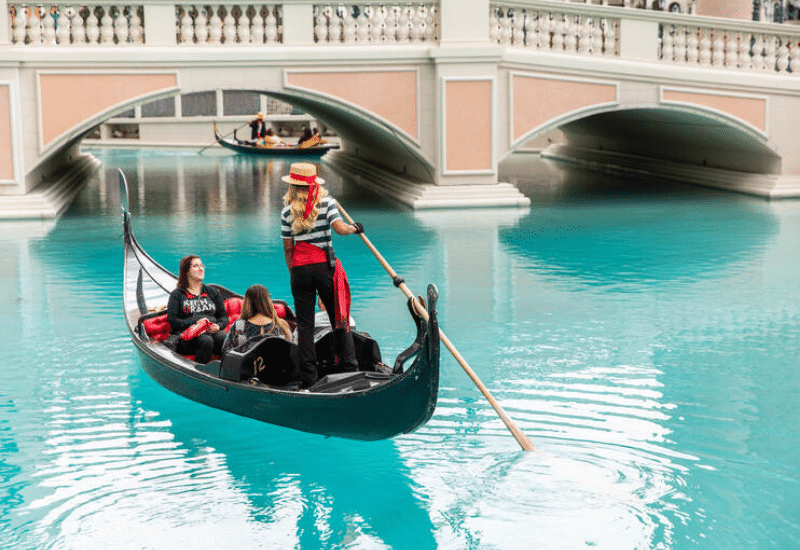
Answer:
(365, 136)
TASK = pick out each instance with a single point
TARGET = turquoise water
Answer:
(643, 336)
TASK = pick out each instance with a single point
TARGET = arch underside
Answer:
(680, 135)
(361, 132)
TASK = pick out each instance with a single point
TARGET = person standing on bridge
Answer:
(306, 223)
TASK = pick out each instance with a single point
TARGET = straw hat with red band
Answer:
(304, 173)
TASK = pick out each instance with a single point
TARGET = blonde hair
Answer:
(296, 196)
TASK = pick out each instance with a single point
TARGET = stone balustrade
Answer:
(570, 27)
(229, 24)
(376, 23)
(99, 23)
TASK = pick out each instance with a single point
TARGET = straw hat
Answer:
(260, 115)
(303, 173)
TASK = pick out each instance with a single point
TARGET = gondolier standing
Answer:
(306, 222)
(258, 127)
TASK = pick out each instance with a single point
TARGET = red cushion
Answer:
(157, 327)
(280, 310)
(233, 307)
(196, 329)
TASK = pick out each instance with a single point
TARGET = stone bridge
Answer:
(428, 98)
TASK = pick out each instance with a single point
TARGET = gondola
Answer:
(378, 402)
(249, 148)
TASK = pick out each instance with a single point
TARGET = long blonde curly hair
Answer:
(296, 196)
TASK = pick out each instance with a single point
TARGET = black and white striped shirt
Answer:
(320, 234)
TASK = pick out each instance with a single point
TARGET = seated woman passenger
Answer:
(258, 318)
(196, 313)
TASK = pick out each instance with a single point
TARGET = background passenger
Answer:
(258, 318)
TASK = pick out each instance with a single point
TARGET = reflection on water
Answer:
(641, 336)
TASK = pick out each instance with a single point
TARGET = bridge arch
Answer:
(672, 132)
(363, 133)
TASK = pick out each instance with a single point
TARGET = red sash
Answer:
(306, 254)
(341, 295)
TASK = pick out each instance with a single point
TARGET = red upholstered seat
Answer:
(280, 310)
(233, 307)
(157, 327)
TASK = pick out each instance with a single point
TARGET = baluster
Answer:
(718, 48)
(667, 41)
(121, 30)
(228, 26)
(20, 24)
(558, 32)
(201, 27)
(335, 28)
(705, 48)
(349, 27)
(35, 27)
(609, 37)
(757, 55)
(770, 51)
(78, 31)
(585, 33)
(430, 24)
(597, 37)
(63, 32)
(362, 28)
(187, 28)
(517, 26)
(135, 27)
(680, 45)
(693, 46)
(404, 26)
(106, 27)
(732, 51)
(795, 58)
(494, 26)
(505, 29)
(570, 35)
(257, 27)
(243, 27)
(92, 27)
(271, 26)
(744, 61)
(321, 26)
(390, 24)
(783, 55)
(215, 27)
(376, 25)
(48, 29)
(418, 30)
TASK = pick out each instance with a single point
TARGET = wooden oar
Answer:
(215, 140)
(521, 438)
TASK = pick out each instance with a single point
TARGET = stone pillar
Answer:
(4, 26)
(731, 9)
(160, 25)
(464, 22)
(298, 24)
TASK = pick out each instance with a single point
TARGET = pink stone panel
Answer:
(69, 99)
(731, 9)
(468, 125)
(750, 109)
(538, 100)
(392, 95)
(6, 146)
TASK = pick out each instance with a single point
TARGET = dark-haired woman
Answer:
(193, 305)
(258, 318)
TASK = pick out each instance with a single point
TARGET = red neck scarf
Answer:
(313, 192)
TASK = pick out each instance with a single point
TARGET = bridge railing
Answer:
(565, 27)
(225, 22)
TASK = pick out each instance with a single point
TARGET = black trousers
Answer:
(307, 282)
(203, 347)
